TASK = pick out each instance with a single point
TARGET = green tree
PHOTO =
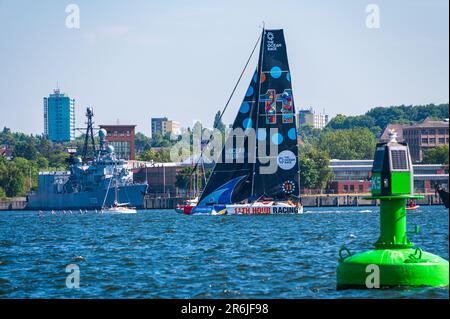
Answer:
(42, 162)
(309, 136)
(57, 158)
(142, 142)
(378, 118)
(12, 179)
(315, 172)
(182, 178)
(45, 147)
(2, 193)
(159, 140)
(26, 150)
(436, 155)
(348, 144)
(161, 156)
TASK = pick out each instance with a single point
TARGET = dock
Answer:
(323, 200)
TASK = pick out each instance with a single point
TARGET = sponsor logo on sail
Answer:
(286, 160)
(288, 187)
(271, 45)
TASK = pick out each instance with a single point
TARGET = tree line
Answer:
(355, 137)
(376, 119)
(345, 138)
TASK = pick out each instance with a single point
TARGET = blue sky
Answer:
(133, 60)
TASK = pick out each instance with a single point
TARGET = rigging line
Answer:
(260, 69)
(204, 172)
(107, 190)
(240, 77)
(229, 99)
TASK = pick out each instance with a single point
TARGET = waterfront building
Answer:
(171, 127)
(121, 137)
(157, 125)
(350, 176)
(354, 176)
(59, 117)
(421, 136)
(161, 178)
(425, 135)
(163, 126)
(310, 117)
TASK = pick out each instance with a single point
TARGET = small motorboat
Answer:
(412, 205)
(186, 208)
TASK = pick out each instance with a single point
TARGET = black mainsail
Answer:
(248, 168)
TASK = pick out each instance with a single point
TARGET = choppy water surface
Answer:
(161, 254)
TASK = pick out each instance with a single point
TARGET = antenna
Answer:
(89, 134)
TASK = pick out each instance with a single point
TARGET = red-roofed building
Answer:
(422, 136)
(425, 135)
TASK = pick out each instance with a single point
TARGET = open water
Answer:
(162, 254)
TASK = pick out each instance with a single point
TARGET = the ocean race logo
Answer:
(271, 45)
(286, 160)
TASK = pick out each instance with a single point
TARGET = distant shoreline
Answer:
(320, 200)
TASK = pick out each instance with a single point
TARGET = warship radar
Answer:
(395, 261)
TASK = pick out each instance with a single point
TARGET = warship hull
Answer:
(132, 194)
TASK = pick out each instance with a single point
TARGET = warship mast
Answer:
(89, 134)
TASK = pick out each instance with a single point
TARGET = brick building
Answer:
(420, 137)
(425, 135)
(161, 178)
(122, 138)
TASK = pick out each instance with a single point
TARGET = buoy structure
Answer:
(394, 261)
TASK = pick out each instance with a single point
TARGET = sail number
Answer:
(271, 98)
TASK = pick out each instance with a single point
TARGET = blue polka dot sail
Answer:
(267, 112)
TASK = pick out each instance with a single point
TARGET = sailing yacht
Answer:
(241, 185)
(117, 208)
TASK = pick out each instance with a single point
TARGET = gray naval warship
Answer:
(91, 182)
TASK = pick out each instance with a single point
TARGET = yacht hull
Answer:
(248, 209)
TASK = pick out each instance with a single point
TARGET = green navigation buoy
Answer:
(395, 261)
